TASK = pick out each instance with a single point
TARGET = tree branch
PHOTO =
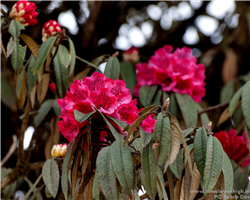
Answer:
(213, 107)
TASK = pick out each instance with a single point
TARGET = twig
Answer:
(213, 107)
(36, 165)
(11, 150)
(243, 160)
(89, 63)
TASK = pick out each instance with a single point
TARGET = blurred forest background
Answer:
(217, 31)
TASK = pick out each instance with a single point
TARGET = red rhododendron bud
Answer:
(50, 28)
(131, 55)
(59, 150)
(235, 146)
(52, 87)
(24, 12)
(176, 72)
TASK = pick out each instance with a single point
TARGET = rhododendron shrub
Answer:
(174, 72)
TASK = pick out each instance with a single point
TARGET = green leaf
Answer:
(204, 117)
(173, 106)
(157, 99)
(19, 84)
(47, 193)
(147, 110)
(56, 108)
(148, 170)
(164, 97)
(8, 97)
(240, 177)
(213, 165)
(61, 76)
(64, 179)
(43, 53)
(128, 73)
(200, 149)
(227, 92)
(50, 173)
(228, 174)
(95, 190)
(145, 137)
(146, 94)
(15, 28)
(43, 111)
(162, 182)
(112, 69)
(10, 46)
(106, 174)
(64, 56)
(162, 135)
(81, 117)
(123, 165)
(31, 79)
(176, 167)
(234, 101)
(32, 188)
(120, 123)
(9, 189)
(188, 109)
(188, 131)
(17, 57)
(246, 103)
(72, 52)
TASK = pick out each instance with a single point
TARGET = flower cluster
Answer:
(235, 146)
(59, 150)
(50, 28)
(176, 72)
(24, 12)
(108, 96)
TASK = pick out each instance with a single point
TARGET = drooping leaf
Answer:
(120, 123)
(213, 164)
(227, 92)
(177, 189)
(43, 52)
(19, 84)
(200, 149)
(195, 183)
(162, 135)
(204, 117)
(147, 110)
(47, 193)
(162, 183)
(95, 190)
(123, 165)
(7, 192)
(17, 57)
(10, 46)
(173, 106)
(50, 174)
(32, 45)
(128, 73)
(112, 68)
(15, 28)
(21, 89)
(81, 117)
(224, 116)
(146, 94)
(240, 177)
(31, 79)
(157, 99)
(171, 184)
(72, 52)
(32, 188)
(8, 96)
(176, 167)
(42, 87)
(188, 109)
(43, 111)
(148, 170)
(246, 104)
(106, 174)
(61, 76)
(234, 101)
(64, 179)
(188, 131)
(64, 56)
(145, 137)
(56, 108)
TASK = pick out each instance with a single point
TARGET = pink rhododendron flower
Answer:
(176, 72)
(108, 96)
(50, 28)
(235, 146)
(148, 124)
(24, 12)
(131, 55)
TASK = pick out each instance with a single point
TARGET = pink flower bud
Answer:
(131, 55)
(24, 12)
(50, 28)
(59, 150)
(52, 87)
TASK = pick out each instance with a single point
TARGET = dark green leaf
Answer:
(31, 79)
(10, 46)
(43, 53)
(112, 69)
(128, 73)
(56, 108)
(50, 173)
(120, 123)
(227, 92)
(240, 177)
(246, 104)
(146, 94)
(43, 111)
(234, 101)
(200, 149)
(33, 187)
(173, 106)
(72, 57)
(176, 167)
(157, 99)
(15, 28)
(187, 132)
(188, 109)
(64, 56)
(162, 183)
(145, 137)
(61, 76)
(81, 117)
(123, 165)
(19, 84)
(17, 57)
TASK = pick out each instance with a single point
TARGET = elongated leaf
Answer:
(246, 104)
(64, 56)
(32, 188)
(162, 183)
(171, 184)
(145, 137)
(32, 45)
(227, 92)
(81, 117)
(204, 117)
(43, 111)
(120, 123)
(106, 174)
(72, 52)
(213, 163)
(188, 131)
(64, 179)
(19, 84)
(112, 68)
(17, 57)
(157, 99)
(43, 52)
(195, 183)
(188, 109)
(128, 73)
(21, 89)
(50, 173)
(224, 116)
(147, 110)
(15, 28)
(173, 106)
(95, 190)
(42, 87)
(31, 79)
(148, 171)
(234, 101)
(177, 189)
(176, 167)
(61, 76)
(10, 46)
(200, 149)
(123, 165)
(146, 94)
(162, 134)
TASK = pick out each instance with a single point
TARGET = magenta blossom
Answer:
(176, 72)
(108, 96)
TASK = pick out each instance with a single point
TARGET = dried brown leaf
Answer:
(171, 184)
(82, 74)
(42, 88)
(229, 67)
(195, 183)
(182, 188)
(177, 189)
(33, 96)
(21, 100)
(32, 45)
